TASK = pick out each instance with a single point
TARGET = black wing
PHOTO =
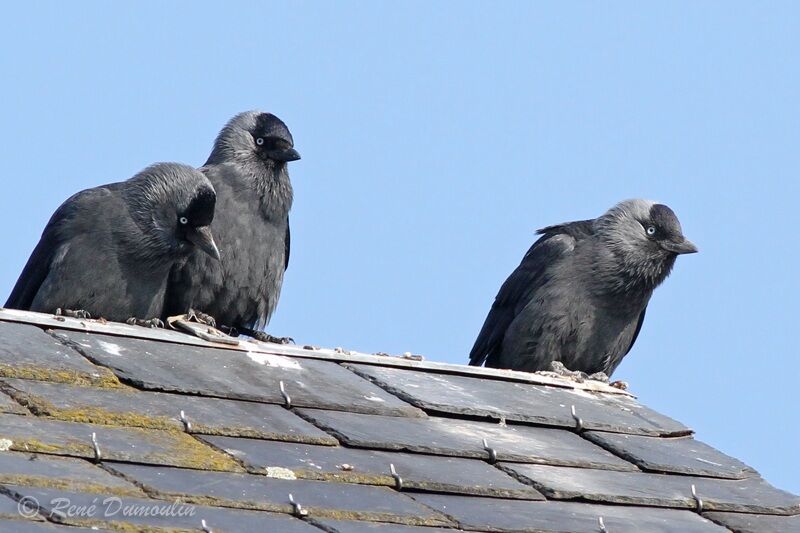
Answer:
(521, 284)
(286, 244)
(638, 329)
(38, 266)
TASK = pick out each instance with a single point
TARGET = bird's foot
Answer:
(73, 313)
(202, 318)
(266, 337)
(149, 323)
(230, 331)
(618, 384)
(599, 376)
(557, 369)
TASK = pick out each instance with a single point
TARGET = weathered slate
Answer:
(523, 402)
(8, 405)
(28, 526)
(158, 410)
(492, 514)
(9, 508)
(165, 335)
(752, 495)
(756, 523)
(320, 498)
(135, 514)
(464, 438)
(28, 352)
(34, 434)
(235, 374)
(418, 472)
(681, 455)
(63, 473)
(350, 526)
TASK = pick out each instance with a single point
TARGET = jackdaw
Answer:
(580, 293)
(108, 251)
(247, 167)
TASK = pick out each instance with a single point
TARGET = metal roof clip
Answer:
(205, 527)
(578, 420)
(287, 400)
(491, 451)
(398, 481)
(187, 426)
(602, 525)
(698, 500)
(98, 457)
(297, 508)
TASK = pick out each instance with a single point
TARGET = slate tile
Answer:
(320, 498)
(34, 434)
(464, 438)
(137, 514)
(30, 353)
(129, 407)
(351, 526)
(485, 514)
(660, 490)
(236, 375)
(418, 472)
(756, 523)
(523, 402)
(63, 473)
(682, 455)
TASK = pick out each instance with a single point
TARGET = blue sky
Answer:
(436, 137)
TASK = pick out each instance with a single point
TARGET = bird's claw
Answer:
(73, 313)
(266, 337)
(202, 318)
(150, 323)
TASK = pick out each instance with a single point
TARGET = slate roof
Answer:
(260, 437)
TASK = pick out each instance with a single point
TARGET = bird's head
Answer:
(173, 205)
(252, 138)
(644, 238)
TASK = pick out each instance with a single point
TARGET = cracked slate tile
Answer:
(145, 514)
(236, 374)
(464, 438)
(522, 402)
(681, 455)
(35, 434)
(741, 495)
(63, 473)
(30, 353)
(250, 491)
(756, 523)
(130, 407)
(488, 514)
(418, 472)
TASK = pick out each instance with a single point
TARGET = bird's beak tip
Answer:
(203, 239)
(682, 247)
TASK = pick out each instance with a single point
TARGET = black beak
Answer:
(284, 156)
(682, 246)
(202, 238)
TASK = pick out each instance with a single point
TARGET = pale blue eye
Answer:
(259, 141)
(651, 230)
(183, 220)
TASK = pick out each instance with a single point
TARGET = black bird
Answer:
(247, 167)
(108, 251)
(580, 293)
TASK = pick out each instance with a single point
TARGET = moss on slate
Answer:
(103, 378)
